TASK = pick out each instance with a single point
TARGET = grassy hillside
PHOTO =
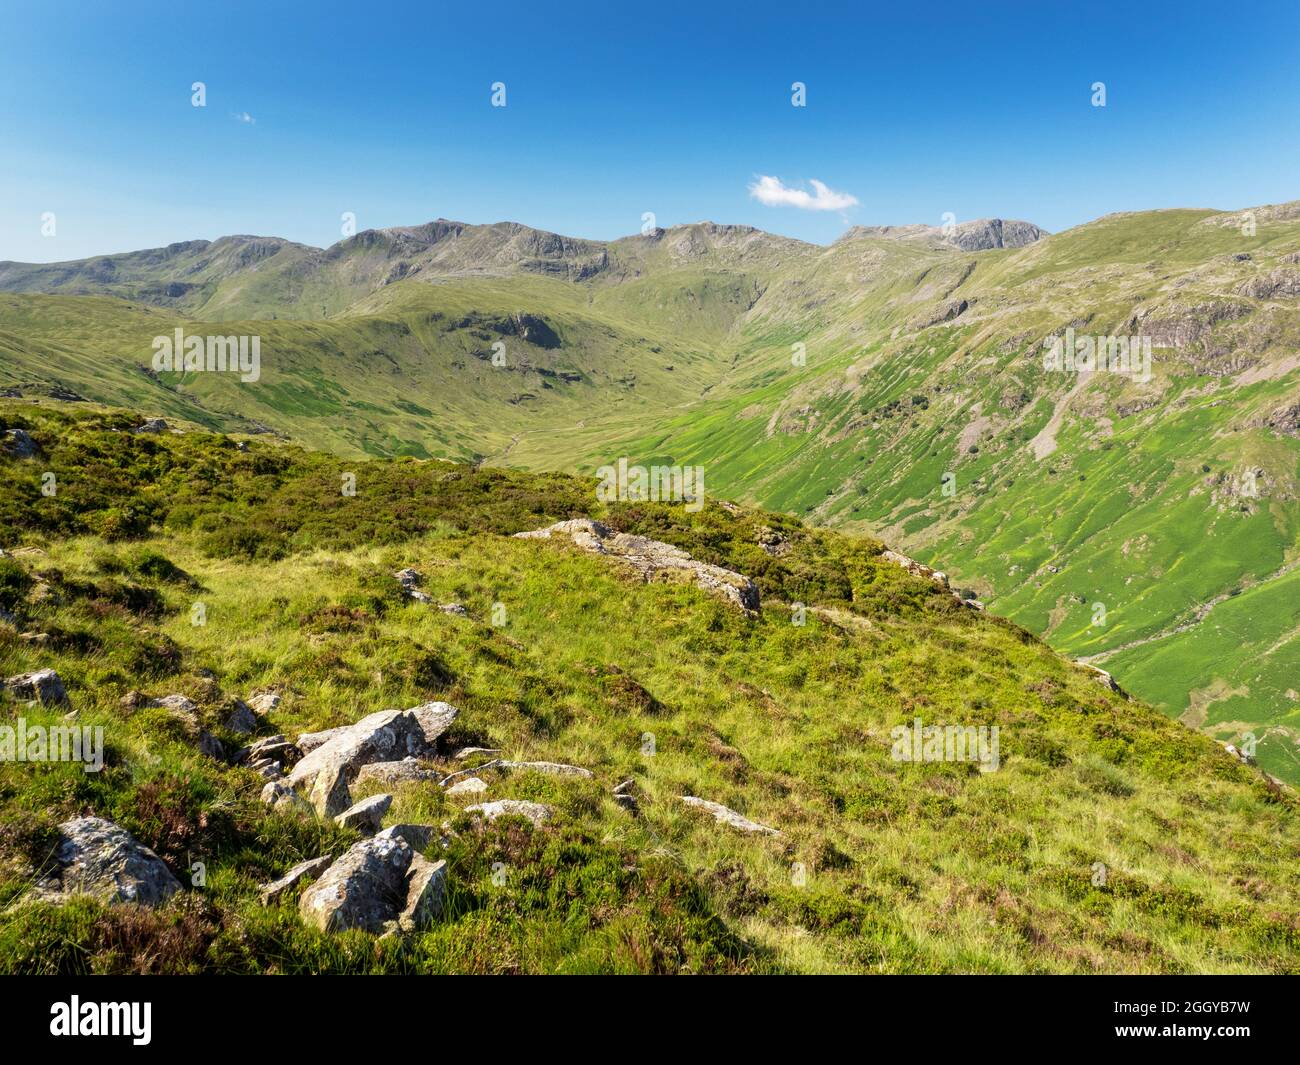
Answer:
(883, 866)
(891, 385)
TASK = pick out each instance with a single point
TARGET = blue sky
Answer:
(614, 110)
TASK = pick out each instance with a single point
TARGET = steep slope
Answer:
(892, 384)
(1105, 839)
(1113, 514)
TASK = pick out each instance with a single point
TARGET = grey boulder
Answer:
(43, 685)
(101, 859)
(366, 888)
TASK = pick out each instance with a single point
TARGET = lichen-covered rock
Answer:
(365, 888)
(418, 837)
(468, 786)
(535, 812)
(917, 569)
(241, 720)
(726, 816)
(326, 771)
(177, 704)
(390, 774)
(19, 444)
(279, 796)
(557, 769)
(264, 702)
(312, 867)
(366, 815)
(426, 888)
(652, 559)
(410, 580)
(101, 859)
(467, 752)
(43, 685)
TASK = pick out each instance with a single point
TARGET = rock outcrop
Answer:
(325, 773)
(390, 774)
(426, 888)
(365, 816)
(535, 812)
(19, 444)
(724, 815)
(410, 580)
(557, 769)
(468, 786)
(43, 685)
(101, 859)
(652, 559)
(365, 888)
(312, 867)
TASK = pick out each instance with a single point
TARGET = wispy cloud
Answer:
(770, 191)
(245, 118)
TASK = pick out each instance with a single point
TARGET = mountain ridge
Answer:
(846, 384)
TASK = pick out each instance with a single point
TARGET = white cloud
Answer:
(770, 191)
(244, 117)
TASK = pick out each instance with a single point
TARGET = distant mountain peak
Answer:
(980, 234)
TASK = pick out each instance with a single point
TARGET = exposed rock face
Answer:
(981, 234)
(312, 867)
(177, 704)
(553, 768)
(410, 580)
(468, 786)
(917, 569)
(417, 837)
(279, 796)
(386, 736)
(276, 748)
(466, 752)
(390, 774)
(944, 312)
(536, 812)
(984, 234)
(726, 816)
(365, 888)
(1276, 284)
(367, 815)
(309, 741)
(264, 702)
(529, 328)
(773, 542)
(1103, 677)
(1284, 420)
(153, 425)
(43, 685)
(19, 444)
(426, 888)
(652, 559)
(241, 720)
(98, 858)
(1184, 325)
